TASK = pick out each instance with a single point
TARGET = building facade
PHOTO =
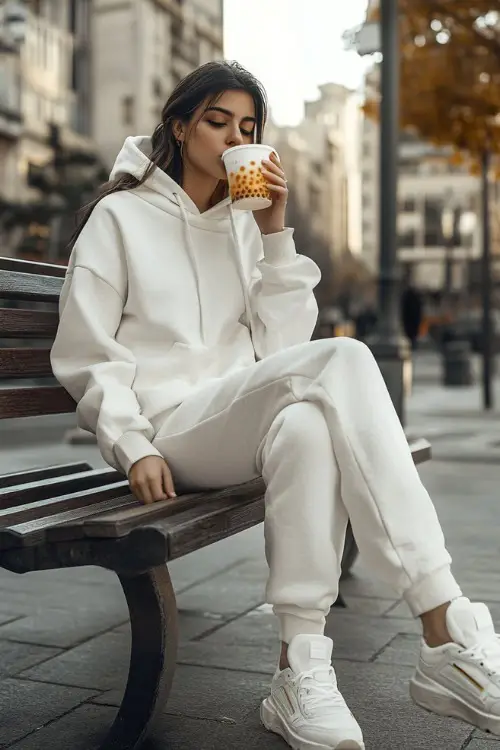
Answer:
(141, 49)
(321, 158)
(44, 89)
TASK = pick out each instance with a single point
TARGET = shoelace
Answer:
(487, 654)
(318, 694)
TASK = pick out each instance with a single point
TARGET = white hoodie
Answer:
(159, 299)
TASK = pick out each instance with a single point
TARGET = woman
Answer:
(184, 338)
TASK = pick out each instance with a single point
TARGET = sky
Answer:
(294, 46)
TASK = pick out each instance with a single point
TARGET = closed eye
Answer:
(223, 124)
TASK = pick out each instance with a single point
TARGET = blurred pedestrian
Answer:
(184, 337)
(411, 313)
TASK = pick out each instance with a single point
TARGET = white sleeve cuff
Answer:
(279, 248)
(131, 447)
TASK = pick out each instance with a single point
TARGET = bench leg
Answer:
(153, 619)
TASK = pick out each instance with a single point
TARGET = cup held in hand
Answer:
(247, 185)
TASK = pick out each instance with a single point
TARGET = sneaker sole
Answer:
(436, 699)
(274, 723)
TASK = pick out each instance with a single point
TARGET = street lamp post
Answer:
(389, 346)
(486, 286)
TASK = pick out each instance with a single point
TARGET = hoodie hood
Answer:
(134, 159)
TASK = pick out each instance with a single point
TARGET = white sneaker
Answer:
(462, 679)
(305, 706)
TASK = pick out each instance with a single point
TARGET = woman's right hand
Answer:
(150, 480)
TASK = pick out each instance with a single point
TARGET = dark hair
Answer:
(206, 83)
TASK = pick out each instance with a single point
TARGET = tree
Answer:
(450, 95)
(450, 74)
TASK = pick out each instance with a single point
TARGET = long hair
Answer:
(205, 84)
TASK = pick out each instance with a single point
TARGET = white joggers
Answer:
(317, 422)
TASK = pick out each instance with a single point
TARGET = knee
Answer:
(351, 349)
(303, 424)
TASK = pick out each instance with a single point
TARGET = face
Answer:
(229, 121)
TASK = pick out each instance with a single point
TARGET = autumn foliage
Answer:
(450, 73)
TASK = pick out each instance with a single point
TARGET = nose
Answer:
(235, 137)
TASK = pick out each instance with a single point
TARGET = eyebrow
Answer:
(228, 113)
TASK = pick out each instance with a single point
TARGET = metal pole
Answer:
(388, 344)
(486, 284)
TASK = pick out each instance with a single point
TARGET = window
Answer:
(408, 238)
(408, 205)
(433, 210)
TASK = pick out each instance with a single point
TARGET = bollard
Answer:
(457, 364)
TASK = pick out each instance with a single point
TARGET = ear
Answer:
(178, 131)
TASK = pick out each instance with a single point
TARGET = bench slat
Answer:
(43, 509)
(29, 266)
(29, 286)
(13, 497)
(121, 522)
(27, 324)
(36, 475)
(199, 527)
(37, 515)
(34, 532)
(35, 401)
(25, 363)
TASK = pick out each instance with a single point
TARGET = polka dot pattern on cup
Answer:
(248, 182)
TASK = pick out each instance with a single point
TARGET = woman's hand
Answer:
(150, 480)
(272, 219)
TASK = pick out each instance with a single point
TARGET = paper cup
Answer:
(247, 185)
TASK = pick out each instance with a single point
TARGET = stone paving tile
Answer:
(28, 705)
(364, 585)
(190, 626)
(403, 649)
(364, 605)
(100, 663)
(16, 657)
(205, 693)
(355, 637)
(86, 726)
(53, 627)
(479, 736)
(483, 744)
(230, 593)
(241, 657)
(7, 615)
(82, 729)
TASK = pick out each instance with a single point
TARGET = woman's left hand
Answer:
(272, 219)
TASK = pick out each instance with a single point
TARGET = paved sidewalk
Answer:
(64, 634)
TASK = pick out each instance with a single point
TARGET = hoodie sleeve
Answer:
(284, 308)
(90, 364)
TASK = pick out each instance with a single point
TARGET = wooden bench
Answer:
(73, 515)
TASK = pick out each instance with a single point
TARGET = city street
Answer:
(64, 635)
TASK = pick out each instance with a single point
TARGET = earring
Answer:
(181, 148)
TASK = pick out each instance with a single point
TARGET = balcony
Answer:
(10, 93)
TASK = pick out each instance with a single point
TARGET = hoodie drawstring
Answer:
(194, 264)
